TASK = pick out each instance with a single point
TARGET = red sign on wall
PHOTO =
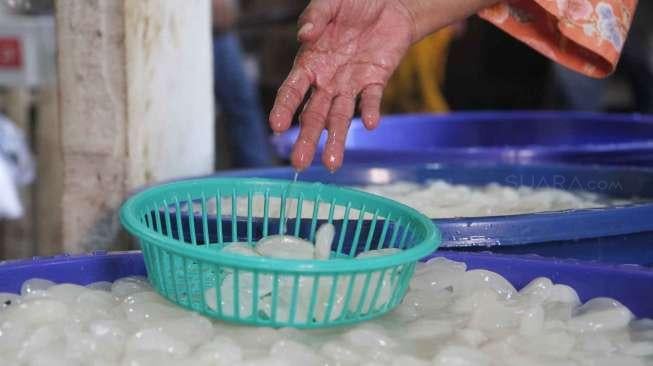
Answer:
(10, 53)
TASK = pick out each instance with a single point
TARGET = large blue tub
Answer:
(509, 137)
(628, 284)
(614, 235)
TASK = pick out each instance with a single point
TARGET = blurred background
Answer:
(468, 66)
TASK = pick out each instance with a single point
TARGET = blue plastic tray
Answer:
(613, 235)
(628, 284)
(509, 137)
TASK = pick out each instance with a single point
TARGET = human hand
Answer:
(350, 48)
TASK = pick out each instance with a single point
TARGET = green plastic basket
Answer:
(183, 226)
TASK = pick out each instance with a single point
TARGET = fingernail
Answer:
(331, 163)
(300, 160)
(275, 124)
(305, 29)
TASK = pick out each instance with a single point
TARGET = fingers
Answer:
(338, 123)
(289, 96)
(315, 18)
(370, 105)
(312, 122)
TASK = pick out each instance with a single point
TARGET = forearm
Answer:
(432, 15)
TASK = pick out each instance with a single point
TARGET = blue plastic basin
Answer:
(628, 284)
(508, 137)
(613, 235)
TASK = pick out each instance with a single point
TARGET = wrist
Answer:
(428, 16)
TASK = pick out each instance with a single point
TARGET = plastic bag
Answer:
(16, 168)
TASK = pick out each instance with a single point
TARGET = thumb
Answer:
(315, 18)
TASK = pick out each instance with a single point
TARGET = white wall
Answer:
(170, 89)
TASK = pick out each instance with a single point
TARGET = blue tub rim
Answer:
(283, 142)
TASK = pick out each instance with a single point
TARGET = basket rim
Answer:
(130, 221)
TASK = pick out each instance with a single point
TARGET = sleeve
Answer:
(584, 35)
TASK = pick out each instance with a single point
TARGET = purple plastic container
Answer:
(499, 137)
(629, 284)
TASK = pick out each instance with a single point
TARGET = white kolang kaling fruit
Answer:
(450, 317)
(289, 247)
(285, 247)
(240, 248)
(323, 241)
(439, 199)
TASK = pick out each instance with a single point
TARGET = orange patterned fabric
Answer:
(584, 35)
